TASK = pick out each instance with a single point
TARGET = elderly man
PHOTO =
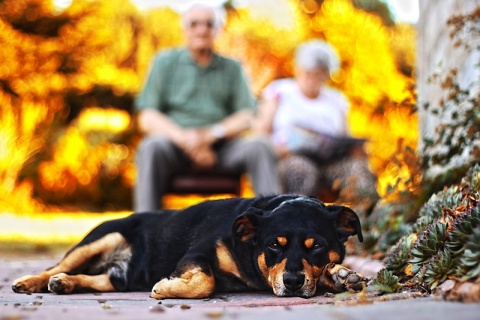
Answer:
(193, 108)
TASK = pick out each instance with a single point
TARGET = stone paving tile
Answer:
(131, 305)
(252, 306)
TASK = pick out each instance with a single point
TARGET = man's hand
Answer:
(196, 143)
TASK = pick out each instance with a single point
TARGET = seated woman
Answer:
(307, 123)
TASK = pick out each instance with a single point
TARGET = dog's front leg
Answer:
(192, 281)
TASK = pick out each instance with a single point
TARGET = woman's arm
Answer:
(263, 124)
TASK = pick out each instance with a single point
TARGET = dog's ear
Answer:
(245, 226)
(348, 223)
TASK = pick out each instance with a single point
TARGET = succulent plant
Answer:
(386, 281)
(398, 257)
(444, 242)
(461, 228)
(427, 244)
(439, 268)
(433, 208)
(470, 260)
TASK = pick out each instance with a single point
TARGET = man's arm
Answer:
(230, 127)
(152, 121)
(241, 104)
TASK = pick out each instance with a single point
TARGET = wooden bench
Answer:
(211, 182)
(206, 182)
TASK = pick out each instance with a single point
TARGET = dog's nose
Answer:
(293, 281)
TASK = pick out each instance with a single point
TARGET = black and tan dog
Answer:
(287, 243)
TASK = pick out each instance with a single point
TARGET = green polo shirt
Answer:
(191, 95)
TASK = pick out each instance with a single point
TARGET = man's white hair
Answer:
(317, 53)
(218, 14)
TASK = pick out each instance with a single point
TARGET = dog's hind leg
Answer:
(76, 261)
(63, 283)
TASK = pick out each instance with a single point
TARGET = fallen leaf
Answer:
(214, 314)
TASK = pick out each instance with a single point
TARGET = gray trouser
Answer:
(158, 158)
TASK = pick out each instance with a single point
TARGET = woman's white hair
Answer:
(218, 14)
(317, 53)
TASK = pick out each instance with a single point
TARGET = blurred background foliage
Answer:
(68, 79)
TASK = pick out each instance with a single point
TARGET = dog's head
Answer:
(296, 240)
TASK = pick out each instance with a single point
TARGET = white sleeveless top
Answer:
(325, 114)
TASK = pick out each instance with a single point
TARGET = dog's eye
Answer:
(274, 246)
(317, 247)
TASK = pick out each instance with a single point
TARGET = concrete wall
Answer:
(436, 54)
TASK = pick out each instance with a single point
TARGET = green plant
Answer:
(386, 281)
(470, 260)
(444, 242)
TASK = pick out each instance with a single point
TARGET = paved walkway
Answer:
(138, 305)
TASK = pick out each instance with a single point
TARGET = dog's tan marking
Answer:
(277, 271)
(76, 258)
(63, 283)
(275, 277)
(226, 263)
(312, 273)
(262, 265)
(192, 284)
(309, 242)
(333, 256)
(326, 277)
(282, 241)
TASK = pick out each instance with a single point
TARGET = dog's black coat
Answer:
(285, 233)
(161, 240)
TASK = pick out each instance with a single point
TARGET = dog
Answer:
(289, 244)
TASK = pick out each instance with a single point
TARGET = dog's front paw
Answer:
(345, 279)
(29, 284)
(160, 290)
(192, 284)
(60, 284)
(173, 288)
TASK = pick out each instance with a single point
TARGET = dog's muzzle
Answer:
(294, 284)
